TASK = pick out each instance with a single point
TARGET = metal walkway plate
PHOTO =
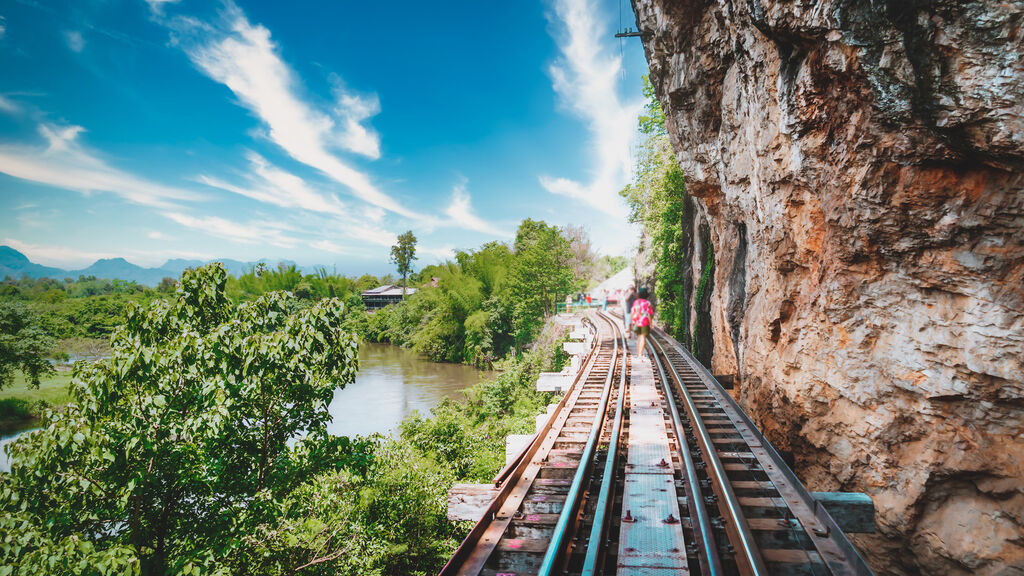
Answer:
(651, 535)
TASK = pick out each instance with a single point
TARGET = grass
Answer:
(52, 389)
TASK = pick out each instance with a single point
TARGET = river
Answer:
(391, 383)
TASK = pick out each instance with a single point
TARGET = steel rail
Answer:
(748, 547)
(703, 532)
(472, 540)
(839, 555)
(560, 534)
(594, 547)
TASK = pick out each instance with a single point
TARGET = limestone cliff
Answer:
(860, 165)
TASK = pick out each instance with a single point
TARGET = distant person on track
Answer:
(627, 309)
(642, 313)
(568, 303)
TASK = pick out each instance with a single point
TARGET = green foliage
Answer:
(309, 287)
(403, 254)
(540, 274)
(442, 335)
(15, 409)
(390, 517)
(23, 344)
(658, 201)
(486, 303)
(177, 447)
(607, 266)
(652, 122)
(174, 456)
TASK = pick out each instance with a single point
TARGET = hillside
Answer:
(15, 264)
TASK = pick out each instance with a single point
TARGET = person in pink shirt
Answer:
(642, 313)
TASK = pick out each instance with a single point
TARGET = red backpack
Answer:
(641, 312)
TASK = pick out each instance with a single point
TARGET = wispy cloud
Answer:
(270, 184)
(438, 252)
(7, 105)
(65, 163)
(3, 27)
(585, 78)
(273, 233)
(243, 57)
(461, 213)
(74, 40)
(45, 218)
(352, 110)
(322, 210)
(157, 6)
(328, 246)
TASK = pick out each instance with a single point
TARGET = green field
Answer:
(53, 389)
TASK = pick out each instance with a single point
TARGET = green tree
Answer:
(179, 446)
(403, 254)
(539, 274)
(23, 344)
(652, 121)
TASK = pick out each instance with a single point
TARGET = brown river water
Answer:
(392, 383)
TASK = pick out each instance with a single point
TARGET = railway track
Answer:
(650, 467)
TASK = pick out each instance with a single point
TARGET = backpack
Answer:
(641, 312)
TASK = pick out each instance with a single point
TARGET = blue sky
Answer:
(314, 132)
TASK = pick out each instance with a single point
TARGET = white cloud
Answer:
(272, 185)
(354, 110)
(439, 253)
(155, 235)
(243, 57)
(7, 105)
(253, 232)
(3, 27)
(60, 256)
(65, 163)
(586, 80)
(269, 184)
(461, 213)
(74, 40)
(157, 6)
(328, 246)
(374, 214)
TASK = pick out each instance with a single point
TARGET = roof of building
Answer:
(620, 281)
(388, 290)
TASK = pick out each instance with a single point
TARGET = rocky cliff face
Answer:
(860, 165)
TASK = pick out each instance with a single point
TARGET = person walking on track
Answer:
(642, 313)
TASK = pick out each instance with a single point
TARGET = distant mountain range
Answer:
(16, 265)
